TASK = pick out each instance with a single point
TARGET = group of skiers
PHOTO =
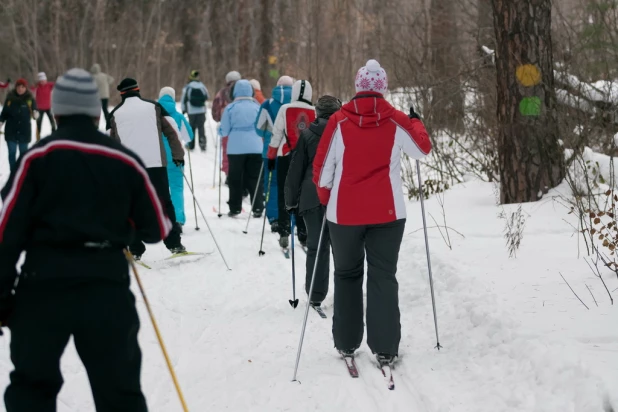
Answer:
(76, 199)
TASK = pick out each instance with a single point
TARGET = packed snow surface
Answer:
(515, 338)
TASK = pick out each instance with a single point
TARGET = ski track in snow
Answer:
(232, 335)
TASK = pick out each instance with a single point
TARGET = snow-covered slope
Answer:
(514, 336)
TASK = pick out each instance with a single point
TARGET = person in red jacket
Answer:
(42, 91)
(4, 85)
(357, 171)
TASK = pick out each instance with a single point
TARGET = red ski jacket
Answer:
(43, 95)
(357, 167)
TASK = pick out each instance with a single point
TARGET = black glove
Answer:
(179, 163)
(413, 114)
(272, 163)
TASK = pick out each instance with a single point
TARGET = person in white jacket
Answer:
(292, 119)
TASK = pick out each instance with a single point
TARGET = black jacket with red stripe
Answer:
(75, 200)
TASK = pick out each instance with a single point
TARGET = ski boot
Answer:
(177, 250)
(257, 214)
(384, 359)
(346, 353)
(302, 239)
(137, 258)
(233, 214)
(284, 242)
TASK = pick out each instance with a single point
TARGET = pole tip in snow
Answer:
(245, 232)
(197, 228)
(261, 253)
(294, 303)
(438, 346)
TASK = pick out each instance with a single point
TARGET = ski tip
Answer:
(294, 303)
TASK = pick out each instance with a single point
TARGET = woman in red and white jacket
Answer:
(357, 171)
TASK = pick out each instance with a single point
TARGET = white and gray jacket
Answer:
(185, 104)
(139, 125)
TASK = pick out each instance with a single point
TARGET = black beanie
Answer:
(127, 85)
(327, 105)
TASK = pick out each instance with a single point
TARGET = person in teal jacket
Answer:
(282, 94)
(167, 99)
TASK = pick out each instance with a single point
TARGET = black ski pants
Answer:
(313, 222)
(197, 124)
(101, 317)
(381, 244)
(39, 122)
(283, 166)
(158, 177)
(244, 174)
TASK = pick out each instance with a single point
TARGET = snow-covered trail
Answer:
(233, 336)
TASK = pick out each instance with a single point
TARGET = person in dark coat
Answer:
(19, 108)
(301, 198)
(75, 278)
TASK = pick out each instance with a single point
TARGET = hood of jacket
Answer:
(168, 104)
(318, 125)
(368, 110)
(95, 69)
(282, 94)
(243, 88)
(302, 90)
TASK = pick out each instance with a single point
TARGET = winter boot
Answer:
(384, 359)
(177, 250)
(284, 242)
(315, 304)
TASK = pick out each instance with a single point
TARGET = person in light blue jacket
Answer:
(282, 94)
(193, 103)
(244, 149)
(167, 99)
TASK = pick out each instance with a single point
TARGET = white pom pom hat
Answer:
(371, 78)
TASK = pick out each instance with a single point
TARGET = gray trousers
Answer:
(381, 244)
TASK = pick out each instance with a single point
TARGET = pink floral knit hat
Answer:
(371, 78)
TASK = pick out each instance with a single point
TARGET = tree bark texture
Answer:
(530, 156)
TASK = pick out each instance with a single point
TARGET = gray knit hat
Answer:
(74, 93)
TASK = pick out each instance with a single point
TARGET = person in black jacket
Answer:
(18, 109)
(73, 203)
(301, 198)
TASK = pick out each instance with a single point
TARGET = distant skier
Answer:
(167, 99)
(257, 91)
(244, 149)
(264, 123)
(140, 125)
(4, 85)
(103, 81)
(358, 173)
(193, 102)
(42, 91)
(221, 100)
(19, 107)
(291, 120)
(301, 198)
(72, 204)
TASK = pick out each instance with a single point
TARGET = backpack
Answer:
(197, 97)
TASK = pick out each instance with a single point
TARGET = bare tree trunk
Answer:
(265, 46)
(531, 158)
(447, 103)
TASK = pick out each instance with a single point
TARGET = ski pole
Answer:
(257, 187)
(208, 226)
(156, 328)
(197, 227)
(220, 167)
(315, 266)
(214, 172)
(433, 298)
(294, 301)
(270, 177)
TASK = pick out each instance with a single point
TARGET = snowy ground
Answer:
(515, 338)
